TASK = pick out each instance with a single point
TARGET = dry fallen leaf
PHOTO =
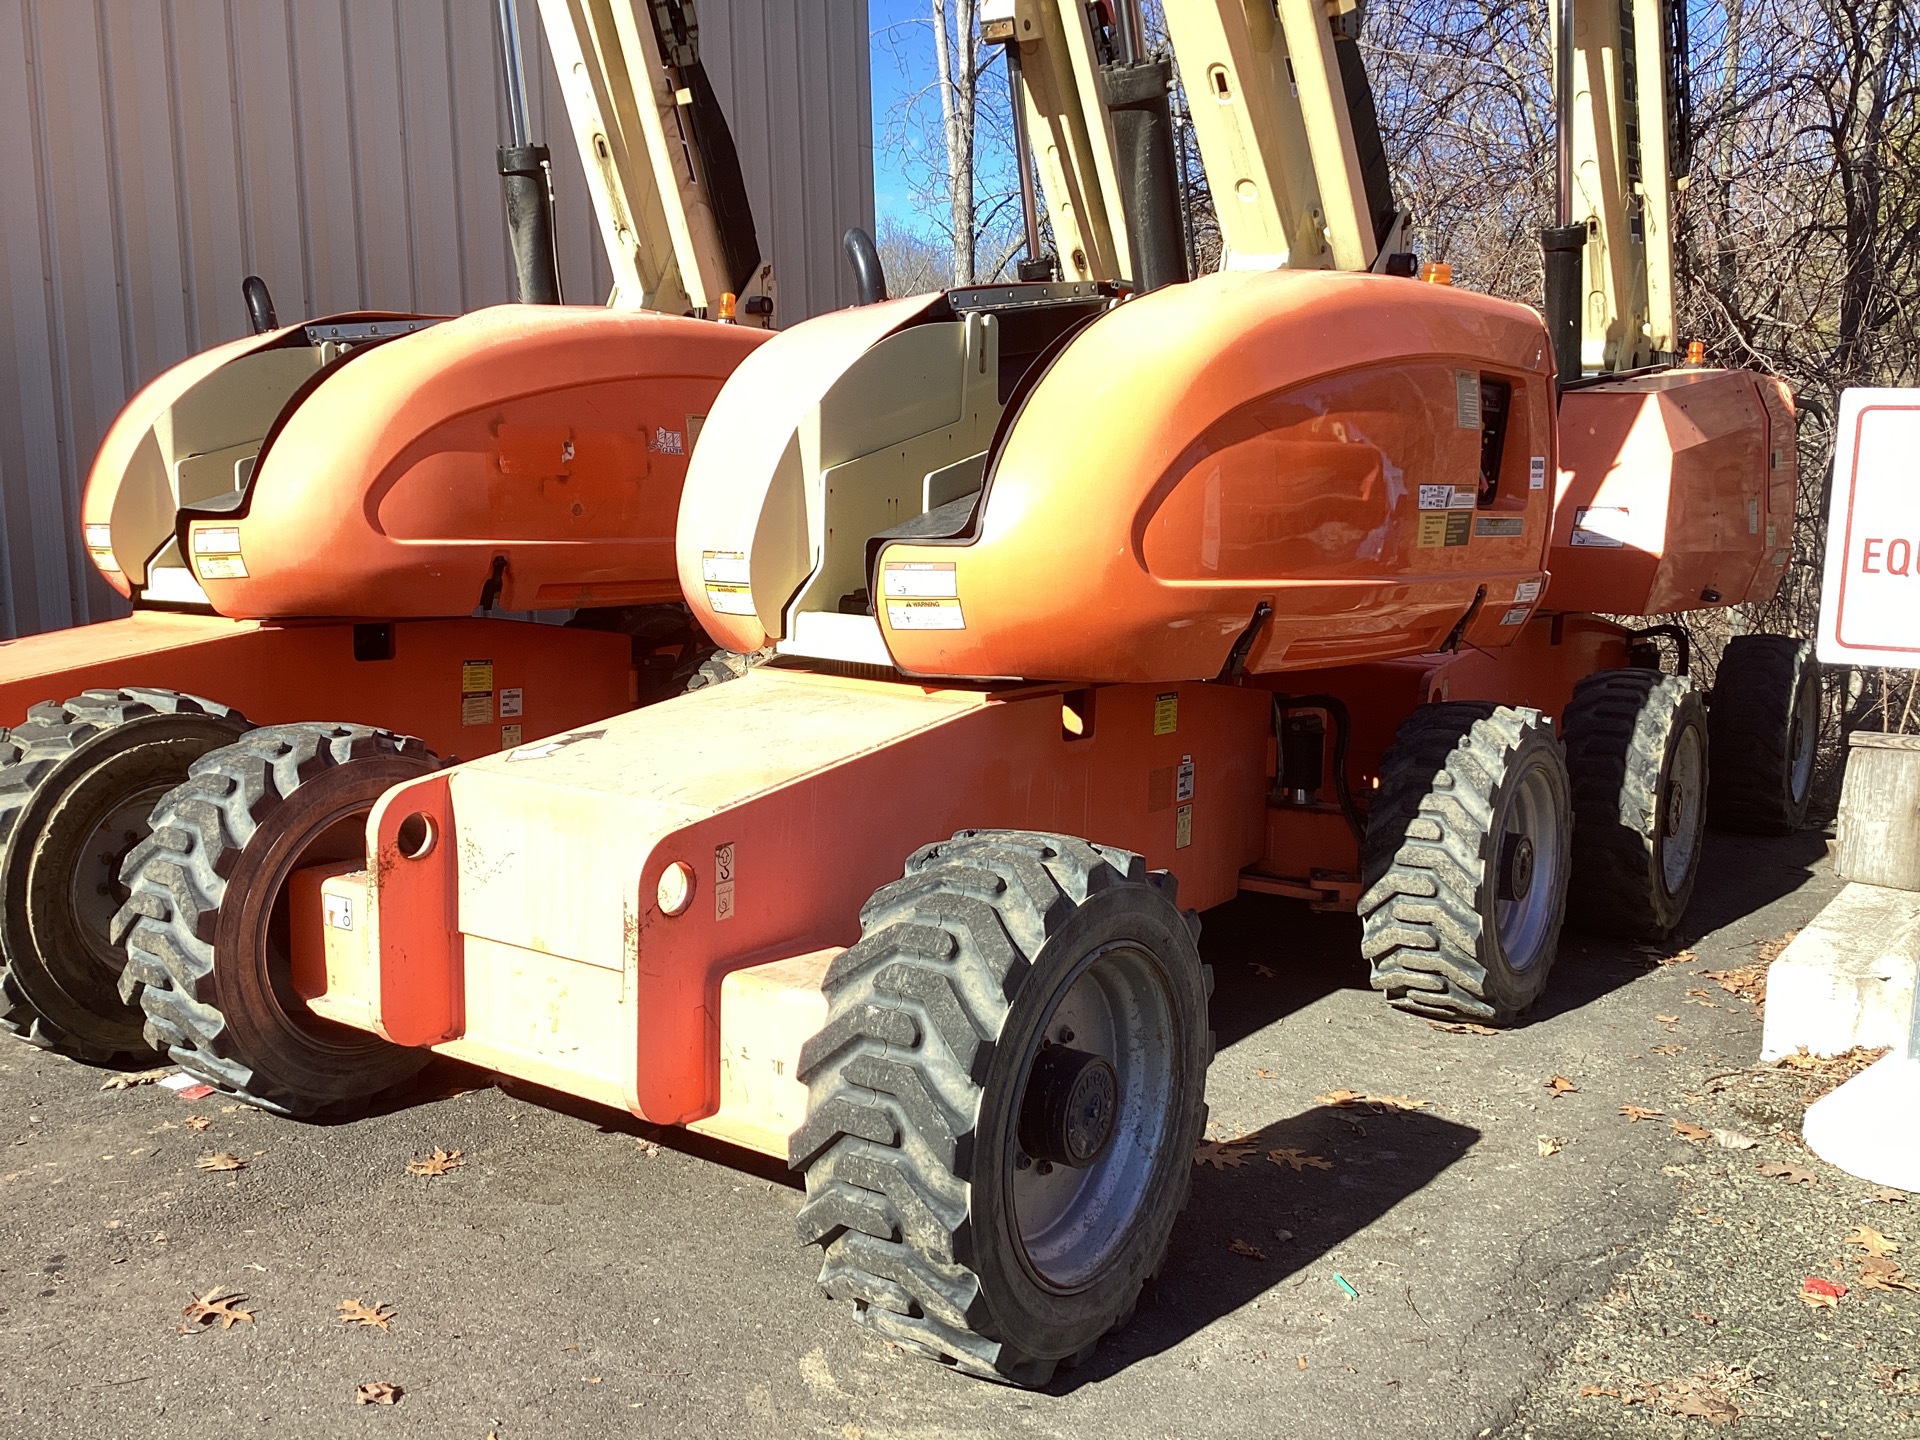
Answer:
(1636, 1113)
(353, 1312)
(1749, 982)
(1707, 1405)
(218, 1305)
(1549, 1145)
(1698, 997)
(1703, 1317)
(138, 1077)
(1303, 1362)
(1877, 1273)
(1462, 1027)
(1799, 1060)
(197, 1122)
(1346, 1099)
(1821, 1294)
(1221, 1153)
(1733, 1140)
(1792, 1174)
(376, 1392)
(1871, 1241)
(1590, 1392)
(1885, 1195)
(220, 1160)
(1252, 1252)
(1560, 1085)
(1686, 1130)
(441, 1162)
(1666, 1049)
(1668, 1019)
(1263, 1074)
(1299, 1160)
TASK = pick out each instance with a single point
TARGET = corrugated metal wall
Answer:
(160, 150)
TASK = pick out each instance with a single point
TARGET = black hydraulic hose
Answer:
(536, 269)
(1342, 735)
(1565, 248)
(1138, 98)
(260, 313)
(869, 280)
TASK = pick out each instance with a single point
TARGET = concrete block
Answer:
(1868, 1127)
(1848, 978)
(1878, 837)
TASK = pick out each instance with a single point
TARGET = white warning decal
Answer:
(1600, 526)
(927, 614)
(1466, 399)
(723, 881)
(919, 580)
(1537, 473)
(1526, 592)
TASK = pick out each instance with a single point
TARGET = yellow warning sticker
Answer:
(476, 709)
(476, 677)
(1166, 713)
(730, 599)
(1433, 530)
(928, 614)
(1183, 827)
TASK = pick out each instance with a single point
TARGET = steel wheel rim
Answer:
(1070, 1223)
(94, 891)
(1800, 742)
(1680, 828)
(1532, 814)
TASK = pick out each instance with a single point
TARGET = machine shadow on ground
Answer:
(1312, 955)
(1256, 1203)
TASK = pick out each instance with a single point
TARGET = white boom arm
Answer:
(631, 121)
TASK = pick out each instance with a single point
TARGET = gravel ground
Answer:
(580, 1274)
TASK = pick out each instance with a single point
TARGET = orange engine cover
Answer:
(551, 439)
(1315, 441)
(1676, 493)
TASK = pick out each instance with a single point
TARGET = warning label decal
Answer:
(476, 692)
(1166, 713)
(916, 579)
(1600, 526)
(929, 614)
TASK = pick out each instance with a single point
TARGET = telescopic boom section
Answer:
(1281, 111)
(659, 160)
(1628, 147)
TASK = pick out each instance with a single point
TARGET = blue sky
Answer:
(902, 63)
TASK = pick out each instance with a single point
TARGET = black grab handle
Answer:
(259, 305)
(869, 281)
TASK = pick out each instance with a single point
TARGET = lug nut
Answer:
(1066, 1034)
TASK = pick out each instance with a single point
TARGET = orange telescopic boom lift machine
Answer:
(316, 520)
(1089, 598)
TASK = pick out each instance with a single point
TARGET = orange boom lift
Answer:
(1091, 605)
(326, 519)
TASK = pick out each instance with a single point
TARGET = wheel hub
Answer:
(1516, 867)
(1067, 1115)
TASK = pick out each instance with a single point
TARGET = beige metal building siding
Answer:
(160, 150)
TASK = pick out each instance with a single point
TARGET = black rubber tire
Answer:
(1430, 865)
(206, 886)
(1764, 705)
(721, 666)
(1626, 731)
(916, 1080)
(76, 763)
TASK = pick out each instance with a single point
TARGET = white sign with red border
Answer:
(1870, 596)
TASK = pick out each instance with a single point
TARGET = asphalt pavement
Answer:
(578, 1274)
